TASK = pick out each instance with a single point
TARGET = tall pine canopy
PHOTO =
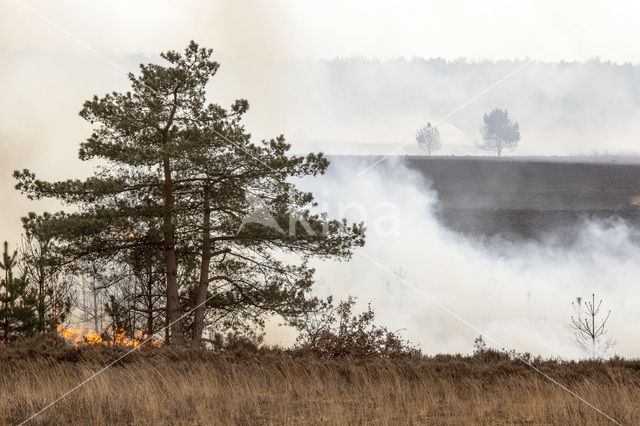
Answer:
(181, 178)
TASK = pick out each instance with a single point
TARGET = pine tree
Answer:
(182, 177)
(147, 299)
(119, 320)
(17, 303)
(40, 267)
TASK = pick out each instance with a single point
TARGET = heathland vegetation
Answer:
(188, 236)
(244, 384)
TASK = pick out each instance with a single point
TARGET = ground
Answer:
(164, 386)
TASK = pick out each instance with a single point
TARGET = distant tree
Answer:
(498, 132)
(589, 330)
(428, 139)
(93, 282)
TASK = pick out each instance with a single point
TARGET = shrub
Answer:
(337, 332)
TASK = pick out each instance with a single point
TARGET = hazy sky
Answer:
(546, 30)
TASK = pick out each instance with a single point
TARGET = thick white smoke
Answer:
(519, 294)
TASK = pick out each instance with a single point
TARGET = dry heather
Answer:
(269, 387)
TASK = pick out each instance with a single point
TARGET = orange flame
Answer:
(93, 339)
(127, 234)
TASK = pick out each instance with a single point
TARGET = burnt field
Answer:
(521, 198)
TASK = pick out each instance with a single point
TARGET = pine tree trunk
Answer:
(95, 305)
(5, 333)
(198, 325)
(41, 306)
(41, 287)
(173, 307)
(150, 302)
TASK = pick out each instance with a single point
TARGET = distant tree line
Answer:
(586, 94)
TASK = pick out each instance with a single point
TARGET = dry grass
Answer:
(169, 387)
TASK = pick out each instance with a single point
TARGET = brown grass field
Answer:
(162, 386)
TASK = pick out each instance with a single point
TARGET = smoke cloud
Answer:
(518, 293)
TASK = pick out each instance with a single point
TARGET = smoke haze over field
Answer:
(358, 78)
(518, 293)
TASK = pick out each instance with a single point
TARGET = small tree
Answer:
(120, 320)
(428, 139)
(479, 346)
(498, 132)
(17, 303)
(589, 330)
(45, 278)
